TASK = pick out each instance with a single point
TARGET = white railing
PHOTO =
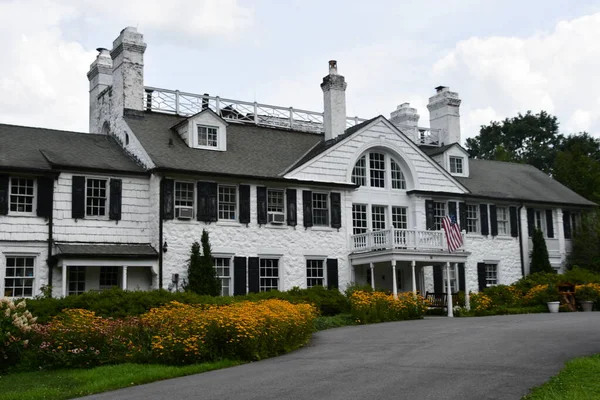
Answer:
(408, 239)
(422, 135)
(186, 104)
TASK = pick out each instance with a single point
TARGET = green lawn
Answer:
(70, 383)
(577, 381)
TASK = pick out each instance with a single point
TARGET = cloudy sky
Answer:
(503, 57)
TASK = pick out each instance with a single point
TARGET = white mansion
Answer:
(290, 197)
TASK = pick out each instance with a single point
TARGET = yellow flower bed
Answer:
(372, 307)
(587, 292)
(184, 333)
(480, 302)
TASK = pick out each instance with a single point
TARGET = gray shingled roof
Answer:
(432, 151)
(41, 149)
(251, 150)
(106, 251)
(512, 181)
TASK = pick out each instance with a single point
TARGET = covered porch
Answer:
(83, 268)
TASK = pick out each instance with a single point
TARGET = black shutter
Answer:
(483, 213)
(462, 286)
(336, 210)
(261, 204)
(168, 199)
(45, 197)
(239, 276)
(307, 207)
(253, 275)
(244, 204)
(549, 224)
(3, 194)
(452, 209)
(332, 273)
(429, 215)
(114, 211)
(438, 279)
(290, 197)
(78, 197)
(481, 276)
(514, 222)
(567, 224)
(530, 221)
(493, 220)
(462, 210)
(207, 201)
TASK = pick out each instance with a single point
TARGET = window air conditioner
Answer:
(276, 218)
(184, 212)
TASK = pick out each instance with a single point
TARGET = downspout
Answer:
(49, 261)
(521, 239)
(160, 235)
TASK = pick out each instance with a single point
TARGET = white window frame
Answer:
(221, 212)
(380, 171)
(274, 208)
(205, 142)
(322, 268)
(539, 217)
(17, 277)
(381, 219)
(503, 220)
(473, 220)
(113, 270)
(70, 272)
(327, 211)
(221, 275)
(107, 197)
(181, 200)
(439, 212)
(491, 274)
(261, 269)
(32, 196)
(453, 278)
(457, 165)
(359, 172)
(360, 224)
(400, 220)
(396, 175)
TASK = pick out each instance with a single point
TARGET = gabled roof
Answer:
(513, 181)
(434, 151)
(42, 149)
(251, 150)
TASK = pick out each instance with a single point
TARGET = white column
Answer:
(414, 277)
(64, 280)
(394, 280)
(448, 291)
(124, 278)
(560, 234)
(467, 299)
(525, 239)
(372, 267)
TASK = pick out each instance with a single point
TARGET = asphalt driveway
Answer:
(436, 358)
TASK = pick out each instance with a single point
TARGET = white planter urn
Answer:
(587, 306)
(553, 306)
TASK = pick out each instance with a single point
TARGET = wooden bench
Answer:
(439, 300)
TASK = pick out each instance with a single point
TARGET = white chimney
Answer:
(406, 119)
(334, 99)
(444, 115)
(128, 70)
(100, 77)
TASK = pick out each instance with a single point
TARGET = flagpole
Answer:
(449, 288)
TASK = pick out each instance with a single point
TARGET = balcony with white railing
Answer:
(400, 239)
(186, 104)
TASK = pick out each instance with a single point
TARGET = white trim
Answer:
(323, 266)
(106, 215)
(3, 277)
(33, 212)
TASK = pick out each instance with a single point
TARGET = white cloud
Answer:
(552, 71)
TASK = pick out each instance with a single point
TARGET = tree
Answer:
(528, 138)
(586, 243)
(539, 255)
(202, 276)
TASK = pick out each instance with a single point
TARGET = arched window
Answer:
(379, 167)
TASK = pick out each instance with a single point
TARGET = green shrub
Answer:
(374, 307)
(16, 325)
(201, 273)
(504, 296)
(540, 261)
(335, 321)
(525, 284)
(580, 276)
(357, 287)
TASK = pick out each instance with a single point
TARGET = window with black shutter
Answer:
(261, 204)
(483, 211)
(452, 209)
(530, 221)
(481, 276)
(336, 210)
(429, 215)
(167, 199)
(207, 201)
(290, 197)
(567, 224)
(493, 220)
(244, 204)
(438, 279)
(45, 197)
(253, 274)
(549, 224)
(78, 197)
(462, 211)
(4, 194)
(462, 285)
(239, 276)
(332, 273)
(514, 223)
(307, 208)
(114, 203)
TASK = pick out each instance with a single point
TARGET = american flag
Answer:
(453, 235)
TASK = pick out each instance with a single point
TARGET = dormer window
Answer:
(381, 171)
(208, 136)
(456, 165)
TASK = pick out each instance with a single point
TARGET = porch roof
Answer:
(121, 251)
(425, 257)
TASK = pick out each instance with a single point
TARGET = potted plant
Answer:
(586, 295)
(552, 297)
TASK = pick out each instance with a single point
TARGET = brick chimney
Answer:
(444, 115)
(334, 99)
(100, 77)
(128, 70)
